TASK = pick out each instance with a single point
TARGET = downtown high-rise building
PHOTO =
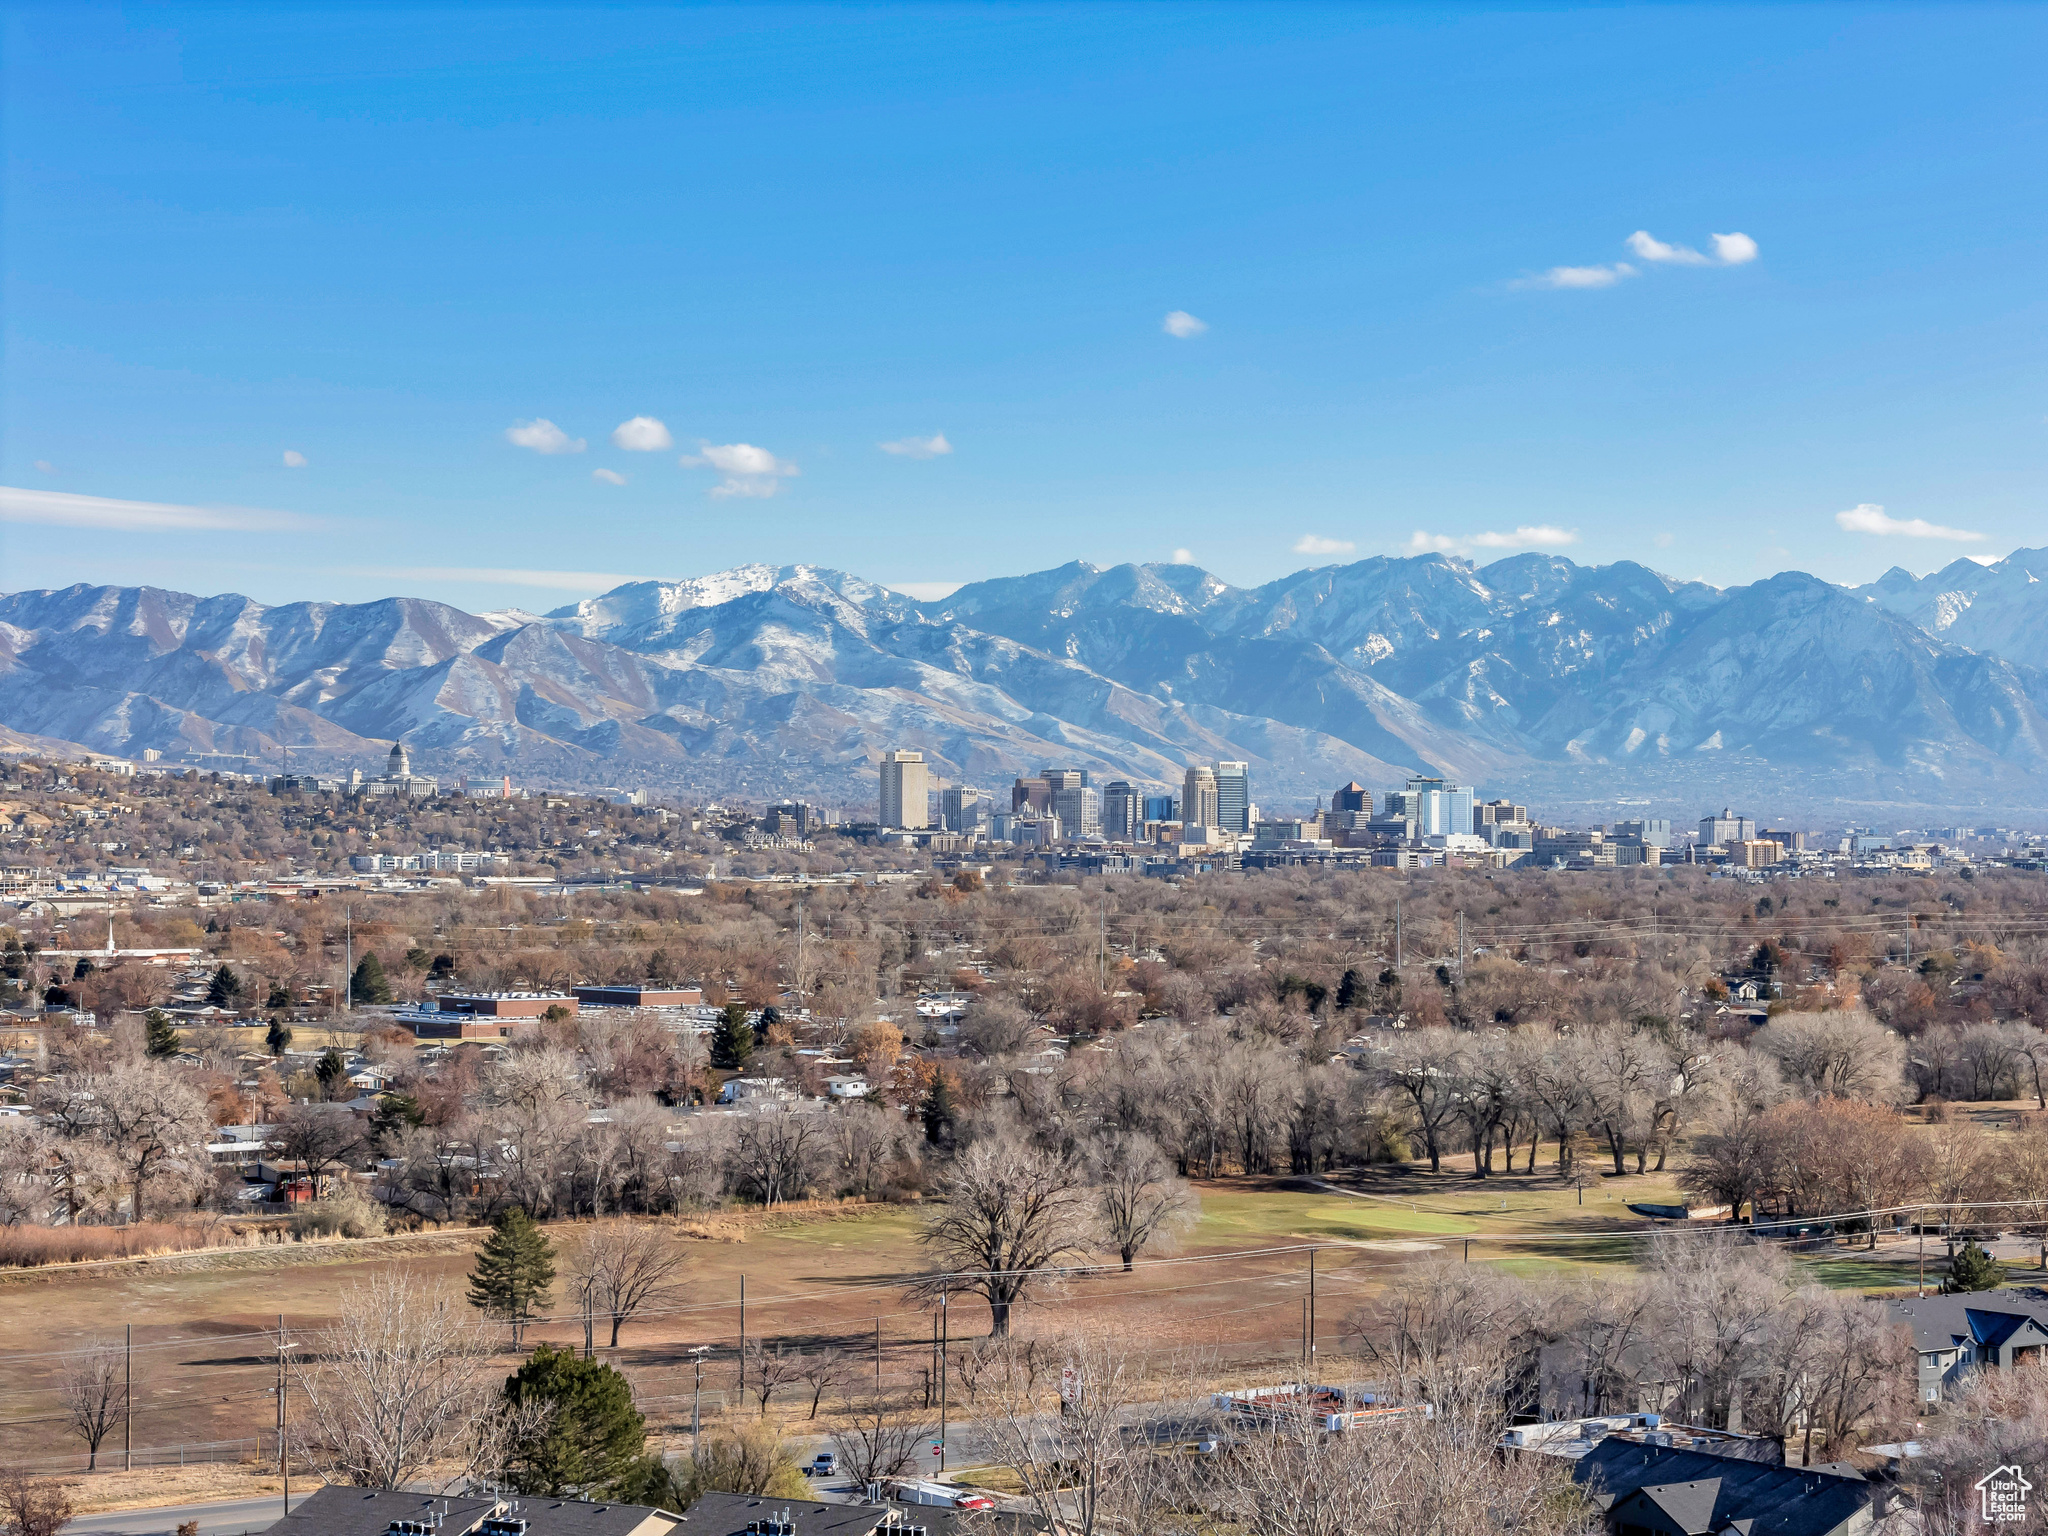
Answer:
(1726, 828)
(1198, 797)
(959, 808)
(1234, 797)
(1123, 812)
(906, 791)
(1079, 808)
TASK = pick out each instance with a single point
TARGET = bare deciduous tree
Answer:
(823, 1370)
(1139, 1197)
(767, 1371)
(1008, 1210)
(626, 1268)
(32, 1506)
(93, 1389)
(878, 1439)
(398, 1388)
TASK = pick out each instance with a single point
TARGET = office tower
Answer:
(1034, 794)
(1234, 797)
(794, 818)
(1650, 831)
(957, 807)
(1198, 797)
(1726, 828)
(1123, 818)
(1058, 779)
(1437, 808)
(906, 791)
(1352, 797)
(1162, 808)
(1079, 808)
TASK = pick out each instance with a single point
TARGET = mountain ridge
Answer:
(1532, 672)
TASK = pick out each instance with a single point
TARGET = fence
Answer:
(262, 1448)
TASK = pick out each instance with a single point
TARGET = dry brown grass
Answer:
(25, 1247)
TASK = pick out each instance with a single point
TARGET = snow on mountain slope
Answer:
(2001, 608)
(779, 679)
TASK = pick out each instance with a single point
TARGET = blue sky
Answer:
(380, 239)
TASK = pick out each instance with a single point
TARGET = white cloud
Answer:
(45, 467)
(643, 434)
(63, 510)
(1315, 544)
(1729, 251)
(1665, 540)
(559, 581)
(1650, 248)
(608, 476)
(293, 459)
(1183, 557)
(1420, 543)
(1182, 324)
(1868, 517)
(1539, 536)
(927, 591)
(933, 447)
(542, 436)
(1734, 250)
(1577, 277)
(748, 471)
(1542, 536)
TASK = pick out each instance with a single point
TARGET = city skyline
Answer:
(1258, 288)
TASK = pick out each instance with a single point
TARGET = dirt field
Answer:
(1236, 1288)
(204, 1323)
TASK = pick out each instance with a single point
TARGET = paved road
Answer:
(227, 1517)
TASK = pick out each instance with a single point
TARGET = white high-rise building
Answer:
(1198, 797)
(906, 791)
(1438, 809)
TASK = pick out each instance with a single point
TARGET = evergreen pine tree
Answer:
(162, 1038)
(280, 996)
(515, 1270)
(1350, 991)
(593, 1445)
(941, 1109)
(224, 989)
(369, 984)
(1972, 1269)
(732, 1042)
(330, 1069)
(278, 1038)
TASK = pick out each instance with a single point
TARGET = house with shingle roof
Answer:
(1655, 1490)
(1955, 1335)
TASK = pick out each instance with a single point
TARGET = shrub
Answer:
(345, 1212)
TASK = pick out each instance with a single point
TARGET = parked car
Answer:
(824, 1464)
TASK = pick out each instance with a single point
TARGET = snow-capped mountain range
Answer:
(1533, 676)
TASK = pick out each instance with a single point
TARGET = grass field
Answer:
(1236, 1285)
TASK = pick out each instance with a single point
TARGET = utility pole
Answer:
(348, 963)
(878, 1360)
(1102, 945)
(799, 977)
(743, 1335)
(1397, 933)
(128, 1400)
(945, 1339)
(280, 1391)
(697, 1402)
(1311, 1315)
(1461, 945)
